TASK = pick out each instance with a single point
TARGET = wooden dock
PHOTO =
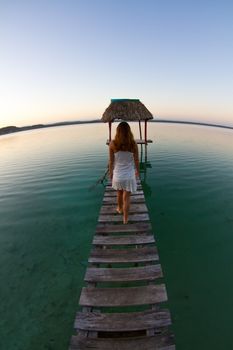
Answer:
(122, 303)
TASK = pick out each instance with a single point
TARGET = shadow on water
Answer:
(102, 181)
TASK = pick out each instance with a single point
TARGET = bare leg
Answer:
(120, 201)
(126, 204)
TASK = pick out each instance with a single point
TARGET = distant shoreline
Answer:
(13, 129)
(192, 123)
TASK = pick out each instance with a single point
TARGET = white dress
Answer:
(124, 172)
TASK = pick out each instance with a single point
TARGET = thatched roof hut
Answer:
(128, 110)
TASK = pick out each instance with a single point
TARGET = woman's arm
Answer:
(111, 160)
(136, 159)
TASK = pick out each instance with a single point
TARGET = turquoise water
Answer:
(48, 213)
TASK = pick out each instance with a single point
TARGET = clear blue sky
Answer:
(64, 60)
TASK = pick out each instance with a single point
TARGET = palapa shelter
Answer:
(128, 110)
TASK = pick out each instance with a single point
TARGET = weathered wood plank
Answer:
(118, 228)
(144, 254)
(122, 322)
(113, 194)
(123, 240)
(118, 218)
(142, 273)
(133, 209)
(110, 297)
(157, 342)
(133, 199)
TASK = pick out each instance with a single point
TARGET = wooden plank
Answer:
(143, 142)
(118, 218)
(113, 194)
(123, 240)
(164, 341)
(133, 199)
(144, 254)
(118, 228)
(122, 322)
(129, 296)
(133, 209)
(142, 273)
(111, 232)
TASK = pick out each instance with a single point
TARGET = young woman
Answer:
(123, 167)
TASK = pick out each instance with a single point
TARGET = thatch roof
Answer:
(126, 109)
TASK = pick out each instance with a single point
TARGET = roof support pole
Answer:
(140, 129)
(146, 132)
(110, 131)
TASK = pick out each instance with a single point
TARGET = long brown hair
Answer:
(124, 140)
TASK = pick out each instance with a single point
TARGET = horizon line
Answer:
(12, 129)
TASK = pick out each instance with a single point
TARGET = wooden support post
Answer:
(146, 132)
(141, 153)
(140, 129)
(146, 153)
(110, 131)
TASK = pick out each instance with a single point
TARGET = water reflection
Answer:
(144, 165)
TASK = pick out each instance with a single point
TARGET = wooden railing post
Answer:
(140, 129)
(146, 132)
(110, 131)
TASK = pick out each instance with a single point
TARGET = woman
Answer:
(123, 167)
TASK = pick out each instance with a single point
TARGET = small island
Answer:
(11, 129)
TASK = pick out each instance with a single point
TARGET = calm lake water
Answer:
(48, 213)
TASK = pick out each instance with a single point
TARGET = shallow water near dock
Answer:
(49, 206)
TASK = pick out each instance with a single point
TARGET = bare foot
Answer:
(119, 211)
